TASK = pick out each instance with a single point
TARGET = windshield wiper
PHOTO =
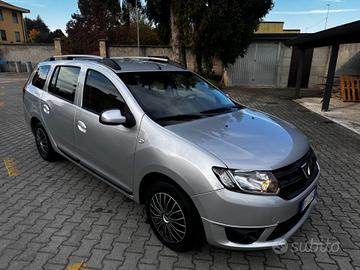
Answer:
(221, 110)
(180, 117)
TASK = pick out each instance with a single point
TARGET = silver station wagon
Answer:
(205, 166)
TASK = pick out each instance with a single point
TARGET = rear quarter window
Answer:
(40, 76)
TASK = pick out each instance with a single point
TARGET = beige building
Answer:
(275, 28)
(12, 26)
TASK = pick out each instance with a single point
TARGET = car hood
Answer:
(246, 139)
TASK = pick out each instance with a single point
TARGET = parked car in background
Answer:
(202, 164)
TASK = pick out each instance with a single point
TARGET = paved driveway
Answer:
(55, 215)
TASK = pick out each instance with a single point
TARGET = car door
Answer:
(107, 150)
(58, 107)
(35, 88)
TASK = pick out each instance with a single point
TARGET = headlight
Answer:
(255, 182)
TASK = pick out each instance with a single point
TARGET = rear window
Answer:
(64, 82)
(40, 77)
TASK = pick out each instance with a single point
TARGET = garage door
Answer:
(258, 67)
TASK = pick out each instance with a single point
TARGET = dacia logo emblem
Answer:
(306, 170)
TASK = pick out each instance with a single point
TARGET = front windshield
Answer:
(170, 95)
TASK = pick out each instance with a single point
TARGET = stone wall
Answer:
(26, 52)
(23, 53)
(35, 53)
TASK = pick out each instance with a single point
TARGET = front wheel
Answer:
(172, 216)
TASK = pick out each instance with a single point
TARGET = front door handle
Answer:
(81, 126)
(46, 108)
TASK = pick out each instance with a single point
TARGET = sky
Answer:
(310, 15)
(307, 15)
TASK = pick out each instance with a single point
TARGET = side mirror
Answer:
(112, 117)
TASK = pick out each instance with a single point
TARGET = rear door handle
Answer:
(46, 108)
(81, 126)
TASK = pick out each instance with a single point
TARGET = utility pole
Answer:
(327, 15)
(137, 27)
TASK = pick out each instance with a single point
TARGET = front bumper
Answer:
(276, 219)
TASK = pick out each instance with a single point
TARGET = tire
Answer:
(172, 217)
(43, 144)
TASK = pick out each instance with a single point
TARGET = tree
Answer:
(128, 8)
(131, 12)
(96, 20)
(58, 33)
(171, 20)
(213, 28)
(107, 19)
(37, 30)
(33, 35)
(225, 28)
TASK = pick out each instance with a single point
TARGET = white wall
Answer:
(348, 63)
(348, 60)
(319, 65)
(284, 66)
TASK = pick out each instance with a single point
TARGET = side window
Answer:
(15, 17)
(17, 36)
(64, 82)
(3, 35)
(40, 76)
(100, 94)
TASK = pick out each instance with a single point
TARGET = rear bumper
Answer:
(274, 220)
(27, 118)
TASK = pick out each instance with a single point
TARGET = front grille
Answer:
(292, 179)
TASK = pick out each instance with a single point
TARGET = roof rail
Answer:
(145, 58)
(102, 60)
(158, 59)
(74, 56)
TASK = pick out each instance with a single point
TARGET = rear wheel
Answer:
(43, 144)
(172, 216)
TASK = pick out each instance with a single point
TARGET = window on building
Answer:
(17, 37)
(64, 82)
(15, 17)
(3, 35)
(40, 77)
(100, 94)
(1, 15)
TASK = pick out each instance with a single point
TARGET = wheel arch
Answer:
(33, 122)
(36, 120)
(154, 177)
